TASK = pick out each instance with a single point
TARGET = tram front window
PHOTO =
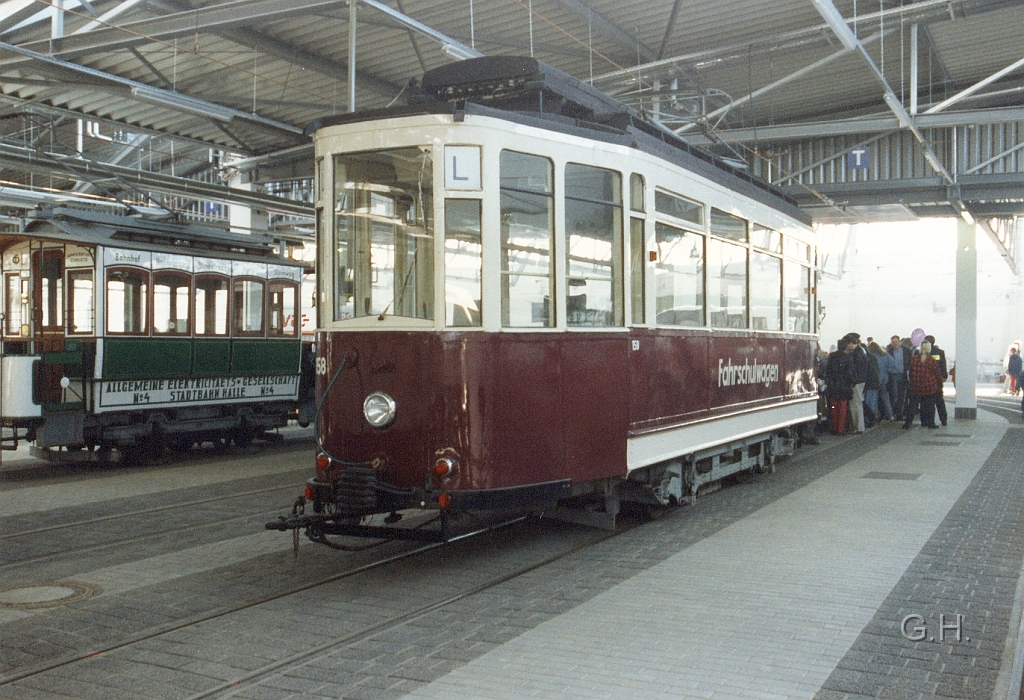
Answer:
(51, 299)
(527, 233)
(384, 234)
(463, 262)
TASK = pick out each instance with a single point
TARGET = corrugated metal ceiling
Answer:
(279, 64)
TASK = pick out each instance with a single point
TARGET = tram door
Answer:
(48, 318)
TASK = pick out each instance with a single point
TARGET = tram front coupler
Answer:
(299, 520)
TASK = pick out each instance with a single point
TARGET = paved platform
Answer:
(882, 565)
(808, 595)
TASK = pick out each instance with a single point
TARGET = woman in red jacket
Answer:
(925, 380)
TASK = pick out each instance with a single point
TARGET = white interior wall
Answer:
(896, 277)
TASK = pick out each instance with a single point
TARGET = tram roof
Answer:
(527, 91)
(84, 227)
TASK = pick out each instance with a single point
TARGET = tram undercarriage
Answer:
(81, 437)
(341, 508)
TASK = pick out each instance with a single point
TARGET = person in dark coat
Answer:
(1014, 368)
(839, 384)
(925, 382)
(871, 389)
(898, 378)
(939, 355)
(859, 355)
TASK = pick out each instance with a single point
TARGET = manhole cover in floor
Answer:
(49, 596)
(895, 476)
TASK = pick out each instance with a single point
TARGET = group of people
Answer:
(865, 384)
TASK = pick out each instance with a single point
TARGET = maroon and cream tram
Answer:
(528, 296)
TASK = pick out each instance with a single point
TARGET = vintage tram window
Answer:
(679, 276)
(727, 284)
(463, 262)
(247, 307)
(127, 301)
(384, 229)
(765, 292)
(679, 207)
(593, 246)
(798, 250)
(17, 304)
(527, 241)
(171, 302)
(281, 299)
(797, 296)
(80, 302)
(638, 269)
(636, 192)
(211, 305)
(728, 226)
(50, 288)
(765, 238)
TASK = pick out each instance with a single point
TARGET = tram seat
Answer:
(680, 317)
(466, 317)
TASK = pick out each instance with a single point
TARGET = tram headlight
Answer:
(379, 409)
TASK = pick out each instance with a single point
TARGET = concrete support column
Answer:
(966, 321)
(244, 219)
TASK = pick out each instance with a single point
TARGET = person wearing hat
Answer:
(860, 376)
(925, 380)
(939, 355)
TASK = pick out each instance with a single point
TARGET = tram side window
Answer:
(384, 228)
(527, 241)
(727, 272)
(765, 292)
(127, 301)
(81, 313)
(638, 268)
(171, 302)
(679, 207)
(679, 276)
(248, 307)
(727, 284)
(636, 192)
(17, 302)
(281, 308)
(593, 230)
(211, 315)
(797, 297)
(463, 262)
(766, 238)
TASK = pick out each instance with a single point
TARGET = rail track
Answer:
(295, 660)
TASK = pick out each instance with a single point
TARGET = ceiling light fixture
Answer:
(176, 100)
(459, 53)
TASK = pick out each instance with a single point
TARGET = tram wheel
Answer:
(179, 443)
(135, 455)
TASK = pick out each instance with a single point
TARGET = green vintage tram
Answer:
(135, 335)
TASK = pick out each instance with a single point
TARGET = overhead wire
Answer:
(527, 6)
(174, 47)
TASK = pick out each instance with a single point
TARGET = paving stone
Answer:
(944, 576)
